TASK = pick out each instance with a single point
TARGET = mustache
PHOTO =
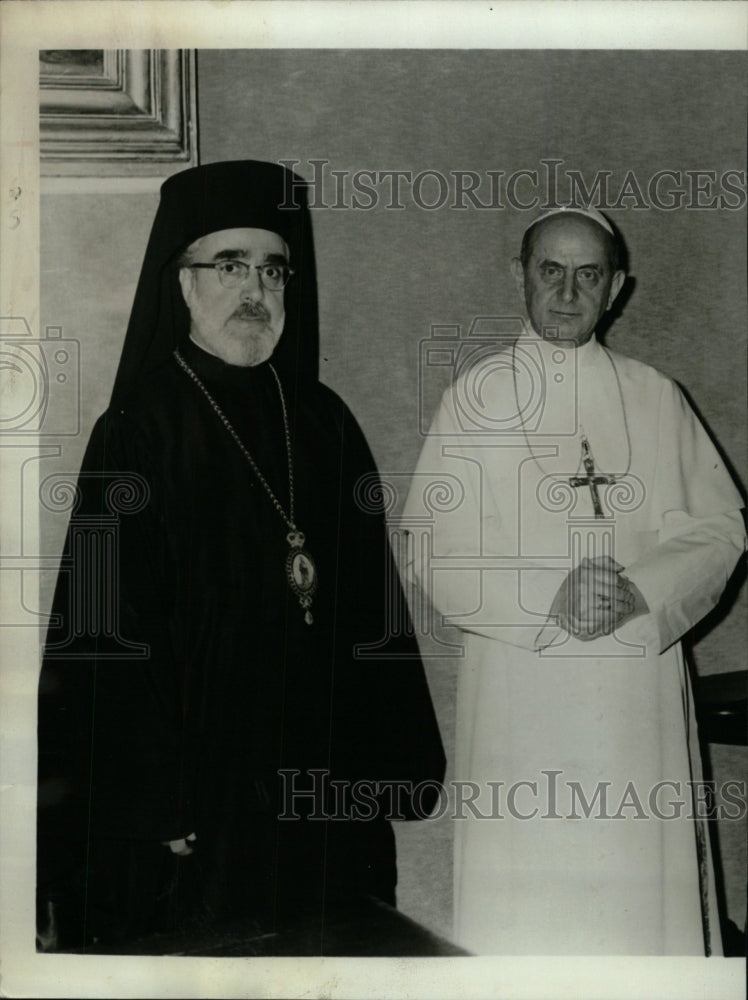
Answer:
(251, 310)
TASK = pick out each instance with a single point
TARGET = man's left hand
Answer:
(596, 598)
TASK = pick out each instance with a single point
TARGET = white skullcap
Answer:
(589, 213)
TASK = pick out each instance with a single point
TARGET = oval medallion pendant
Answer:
(301, 573)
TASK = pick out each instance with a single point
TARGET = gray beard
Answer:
(246, 350)
(253, 350)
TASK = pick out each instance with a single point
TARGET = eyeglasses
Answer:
(232, 273)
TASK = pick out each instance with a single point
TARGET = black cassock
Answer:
(139, 746)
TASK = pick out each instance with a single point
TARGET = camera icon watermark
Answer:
(39, 380)
(472, 363)
(407, 611)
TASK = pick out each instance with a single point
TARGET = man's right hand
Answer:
(182, 846)
(594, 599)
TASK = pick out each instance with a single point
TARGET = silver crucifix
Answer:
(592, 479)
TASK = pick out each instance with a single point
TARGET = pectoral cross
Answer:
(592, 479)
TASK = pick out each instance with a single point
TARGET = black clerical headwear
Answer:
(232, 195)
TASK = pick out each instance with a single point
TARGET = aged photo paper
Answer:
(429, 133)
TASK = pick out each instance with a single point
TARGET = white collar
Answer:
(587, 354)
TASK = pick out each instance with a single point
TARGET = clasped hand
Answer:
(595, 598)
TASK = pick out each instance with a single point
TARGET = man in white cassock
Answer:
(592, 524)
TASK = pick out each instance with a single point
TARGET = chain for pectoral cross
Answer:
(301, 572)
(592, 479)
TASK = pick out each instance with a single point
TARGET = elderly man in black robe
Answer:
(205, 671)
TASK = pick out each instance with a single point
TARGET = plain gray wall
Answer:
(385, 277)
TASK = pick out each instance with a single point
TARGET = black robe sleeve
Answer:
(109, 698)
(385, 727)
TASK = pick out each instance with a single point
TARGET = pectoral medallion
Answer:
(301, 572)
